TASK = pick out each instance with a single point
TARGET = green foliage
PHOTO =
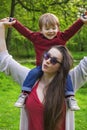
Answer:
(4, 8)
(28, 13)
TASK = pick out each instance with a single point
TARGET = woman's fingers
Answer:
(7, 22)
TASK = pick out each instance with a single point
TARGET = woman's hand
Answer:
(8, 23)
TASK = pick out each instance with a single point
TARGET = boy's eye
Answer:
(54, 28)
(47, 28)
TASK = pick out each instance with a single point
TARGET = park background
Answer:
(28, 13)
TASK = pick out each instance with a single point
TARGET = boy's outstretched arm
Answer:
(74, 28)
(23, 30)
(9, 22)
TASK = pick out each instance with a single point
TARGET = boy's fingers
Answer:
(84, 19)
(12, 22)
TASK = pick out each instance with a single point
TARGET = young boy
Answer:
(48, 36)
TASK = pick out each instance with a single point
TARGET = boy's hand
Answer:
(84, 18)
(8, 21)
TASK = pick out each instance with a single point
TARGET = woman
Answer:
(46, 100)
(52, 69)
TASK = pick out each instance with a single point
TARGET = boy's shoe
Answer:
(21, 100)
(72, 104)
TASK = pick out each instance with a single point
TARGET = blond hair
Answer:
(48, 19)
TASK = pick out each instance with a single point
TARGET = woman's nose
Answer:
(48, 61)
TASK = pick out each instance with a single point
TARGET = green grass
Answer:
(10, 115)
(9, 92)
(81, 116)
(78, 55)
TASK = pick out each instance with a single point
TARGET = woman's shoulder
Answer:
(11, 67)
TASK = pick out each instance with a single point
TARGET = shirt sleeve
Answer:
(72, 30)
(30, 35)
(79, 74)
(18, 72)
(12, 68)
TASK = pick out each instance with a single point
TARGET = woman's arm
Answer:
(79, 74)
(2, 38)
(12, 68)
(7, 63)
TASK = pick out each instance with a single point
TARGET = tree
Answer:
(29, 11)
(13, 3)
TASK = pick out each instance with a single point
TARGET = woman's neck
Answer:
(42, 87)
(47, 78)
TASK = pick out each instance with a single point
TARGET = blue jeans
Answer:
(36, 73)
(31, 78)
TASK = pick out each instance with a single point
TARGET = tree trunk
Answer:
(12, 10)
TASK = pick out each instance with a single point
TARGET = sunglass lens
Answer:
(46, 56)
(53, 60)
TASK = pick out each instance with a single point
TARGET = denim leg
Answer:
(31, 78)
(69, 87)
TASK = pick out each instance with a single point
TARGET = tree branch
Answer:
(29, 9)
(59, 3)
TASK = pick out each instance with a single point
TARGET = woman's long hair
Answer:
(55, 94)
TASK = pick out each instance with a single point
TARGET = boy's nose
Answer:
(51, 30)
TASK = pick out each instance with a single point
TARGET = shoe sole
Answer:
(19, 106)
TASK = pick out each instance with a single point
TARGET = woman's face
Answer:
(52, 61)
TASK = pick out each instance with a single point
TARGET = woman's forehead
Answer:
(55, 53)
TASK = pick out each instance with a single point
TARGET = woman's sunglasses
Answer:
(53, 60)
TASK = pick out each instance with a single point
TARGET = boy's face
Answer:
(49, 32)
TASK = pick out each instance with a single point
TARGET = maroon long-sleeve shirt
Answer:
(41, 43)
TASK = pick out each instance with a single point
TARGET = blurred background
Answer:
(28, 13)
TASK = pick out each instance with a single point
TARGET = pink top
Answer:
(35, 110)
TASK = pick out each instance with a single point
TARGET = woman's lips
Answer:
(45, 66)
